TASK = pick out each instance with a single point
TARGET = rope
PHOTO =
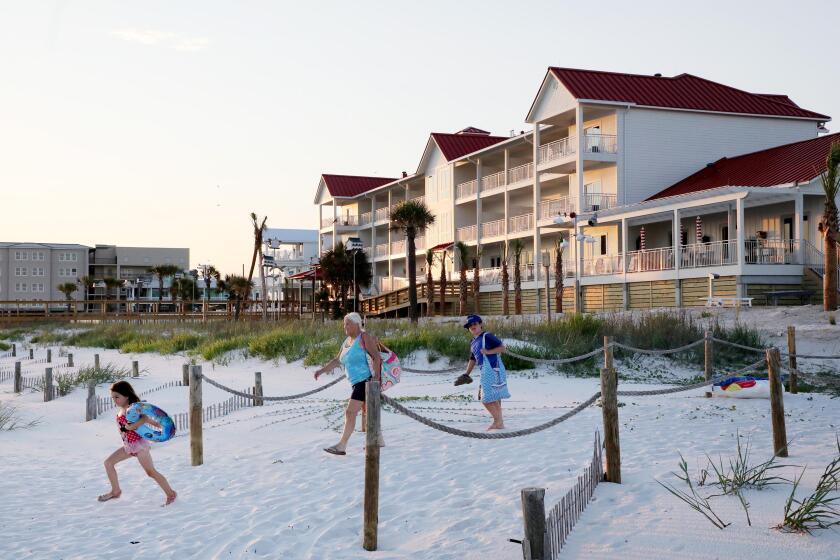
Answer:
(697, 385)
(558, 360)
(659, 352)
(741, 346)
(485, 435)
(283, 398)
(810, 356)
(432, 371)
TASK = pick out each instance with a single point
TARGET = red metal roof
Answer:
(780, 97)
(307, 274)
(351, 185)
(679, 92)
(454, 146)
(798, 162)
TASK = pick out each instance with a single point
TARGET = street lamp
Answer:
(354, 244)
(205, 274)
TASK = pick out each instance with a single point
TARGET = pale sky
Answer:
(165, 122)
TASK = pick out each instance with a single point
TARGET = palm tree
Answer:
(67, 288)
(476, 280)
(463, 252)
(112, 284)
(258, 241)
(430, 283)
(87, 283)
(163, 271)
(237, 287)
(558, 274)
(183, 289)
(209, 273)
(829, 225)
(505, 281)
(517, 275)
(411, 217)
(337, 270)
(443, 282)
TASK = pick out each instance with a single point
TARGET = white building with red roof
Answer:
(670, 179)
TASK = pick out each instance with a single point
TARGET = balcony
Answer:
(520, 173)
(466, 233)
(465, 189)
(383, 214)
(772, 251)
(327, 222)
(493, 229)
(600, 143)
(565, 147)
(382, 250)
(493, 276)
(555, 206)
(594, 201)
(364, 218)
(420, 243)
(648, 260)
(398, 247)
(493, 182)
(523, 222)
(601, 265)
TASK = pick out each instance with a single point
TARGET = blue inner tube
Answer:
(147, 431)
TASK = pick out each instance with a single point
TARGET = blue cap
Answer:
(472, 319)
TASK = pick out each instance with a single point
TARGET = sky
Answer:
(166, 123)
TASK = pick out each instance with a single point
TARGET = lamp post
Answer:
(354, 244)
(546, 259)
(571, 220)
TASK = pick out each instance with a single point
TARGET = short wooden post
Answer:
(49, 355)
(70, 360)
(96, 361)
(708, 358)
(533, 516)
(18, 379)
(371, 499)
(777, 404)
(14, 350)
(196, 441)
(135, 368)
(609, 411)
(258, 388)
(185, 375)
(792, 360)
(48, 385)
(90, 408)
(31, 354)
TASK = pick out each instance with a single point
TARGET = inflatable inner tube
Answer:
(744, 387)
(164, 429)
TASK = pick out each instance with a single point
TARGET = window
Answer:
(38, 271)
(38, 256)
(495, 262)
(21, 287)
(21, 255)
(603, 244)
(37, 287)
(21, 271)
(592, 196)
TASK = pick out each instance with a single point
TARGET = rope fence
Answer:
(247, 395)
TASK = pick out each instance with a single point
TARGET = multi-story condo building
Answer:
(669, 179)
(289, 258)
(35, 270)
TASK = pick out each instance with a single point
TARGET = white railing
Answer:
(419, 199)
(555, 206)
(661, 258)
(347, 220)
(813, 258)
(327, 222)
(466, 233)
(493, 182)
(772, 251)
(493, 229)
(558, 149)
(382, 250)
(489, 276)
(419, 243)
(718, 253)
(364, 218)
(520, 173)
(465, 189)
(391, 283)
(604, 143)
(603, 264)
(398, 247)
(592, 202)
(383, 214)
(523, 222)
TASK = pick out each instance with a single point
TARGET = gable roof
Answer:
(798, 162)
(460, 144)
(351, 185)
(684, 91)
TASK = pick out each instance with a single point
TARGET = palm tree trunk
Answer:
(505, 288)
(412, 276)
(517, 286)
(443, 284)
(262, 283)
(558, 280)
(462, 290)
(430, 293)
(830, 274)
(476, 287)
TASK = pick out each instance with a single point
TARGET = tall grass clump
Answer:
(290, 344)
(10, 420)
(818, 510)
(107, 373)
(4, 346)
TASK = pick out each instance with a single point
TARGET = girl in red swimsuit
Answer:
(124, 396)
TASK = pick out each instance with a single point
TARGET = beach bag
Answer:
(391, 368)
(493, 381)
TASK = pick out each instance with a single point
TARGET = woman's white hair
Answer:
(354, 318)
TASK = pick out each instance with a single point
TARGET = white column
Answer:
(535, 209)
(624, 261)
(335, 219)
(581, 145)
(620, 189)
(798, 220)
(507, 195)
(739, 220)
(478, 210)
(677, 255)
(390, 267)
(373, 240)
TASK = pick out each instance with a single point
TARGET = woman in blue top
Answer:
(359, 355)
(485, 352)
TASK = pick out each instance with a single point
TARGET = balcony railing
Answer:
(391, 283)
(520, 173)
(718, 253)
(603, 264)
(772, 251)
(465, 189)
(646, 260)
(383, 214)
(466, 233)
(558, 149)
(493, 182)
(493, 276)
(382, 250)
(523, 222)
(555, 206)
(493, 229)
(327, 222)
(347, 220)
(364, 218)
(603, 143)
(592, 202)
(398, 247)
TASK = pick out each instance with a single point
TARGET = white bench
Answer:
(727, 301)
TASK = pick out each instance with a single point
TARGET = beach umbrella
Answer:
(698, 229)
(642, 244)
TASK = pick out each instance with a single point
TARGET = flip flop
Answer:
(106, 497)
(334, 451)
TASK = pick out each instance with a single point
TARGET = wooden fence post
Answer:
(31, 354)
(90, 408)
(533, 516)
(14, 350)
(48, 385)
(96, 361)
(185, 375)
(777, 404)
(609, 410)
(792, 360)
(258, 388)
(196, 442)
(708, 358)
(49, 355)
(70, 360)
(608, 353)
(135, 368)
(18, 380)
(371, 500)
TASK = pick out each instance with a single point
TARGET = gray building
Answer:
(35, 270)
